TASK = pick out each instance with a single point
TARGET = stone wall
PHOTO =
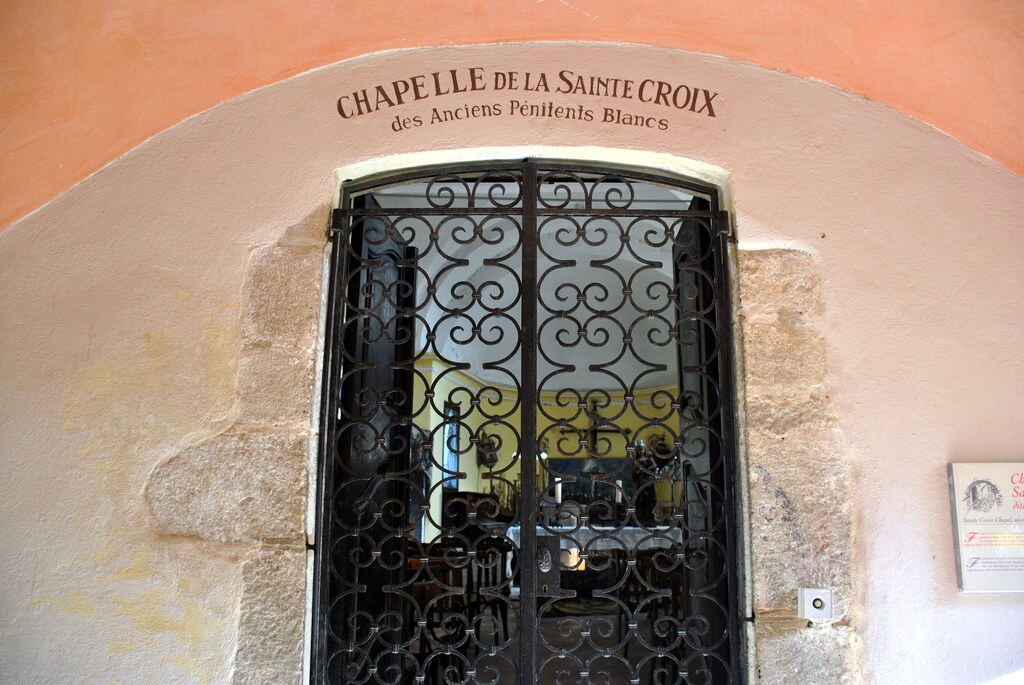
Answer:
(800, 529)
(248, 484)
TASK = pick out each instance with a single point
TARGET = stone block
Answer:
(801, 519)
(275, 387)
(815, 655)
(780, 409)
(235, 487)
(282, 296)
(310, 232)
(800, 515)
(803, 552)
(780, 295)
(773, 280)
(271, 618)
(800, 510)
(781, 354)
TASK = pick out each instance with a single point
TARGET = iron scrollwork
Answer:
(578, 320)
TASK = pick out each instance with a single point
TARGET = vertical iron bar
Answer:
(528, 453)
(338, 237)
(730, 445)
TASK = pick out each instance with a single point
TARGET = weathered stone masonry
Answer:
(800, 511)
(248, 484)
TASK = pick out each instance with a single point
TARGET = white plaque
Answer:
(988, 522)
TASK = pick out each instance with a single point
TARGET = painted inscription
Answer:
(563, 94)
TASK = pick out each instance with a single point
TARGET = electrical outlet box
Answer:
(814, 603)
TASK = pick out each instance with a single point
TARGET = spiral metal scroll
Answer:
(422, 566)
(638, 292)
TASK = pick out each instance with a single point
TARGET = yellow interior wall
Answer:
(445, 381)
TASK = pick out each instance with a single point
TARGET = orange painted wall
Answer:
(80, 84)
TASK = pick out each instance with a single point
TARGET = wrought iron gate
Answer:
(527, 459)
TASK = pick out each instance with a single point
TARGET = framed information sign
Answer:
(987, 500)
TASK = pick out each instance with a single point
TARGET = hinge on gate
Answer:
(337, 223)
(725, 226)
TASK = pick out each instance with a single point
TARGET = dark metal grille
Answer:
(528, 453)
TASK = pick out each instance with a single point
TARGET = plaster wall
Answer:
(159, 313)
(81, 85)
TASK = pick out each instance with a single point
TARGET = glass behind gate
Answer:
(527, 456)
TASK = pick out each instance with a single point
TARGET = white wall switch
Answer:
(814, 603)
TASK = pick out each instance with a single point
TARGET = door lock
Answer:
(549, 572)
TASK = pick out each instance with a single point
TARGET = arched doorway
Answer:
(528, 459)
